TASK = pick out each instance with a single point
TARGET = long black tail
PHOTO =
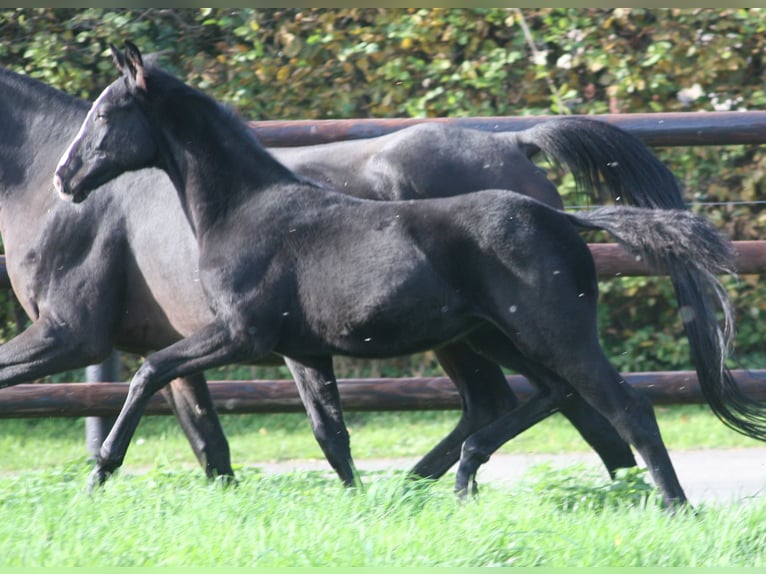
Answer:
(693, 253)
(606, 161)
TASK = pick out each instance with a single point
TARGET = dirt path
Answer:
(720, 475)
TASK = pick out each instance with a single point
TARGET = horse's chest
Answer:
(27, 281)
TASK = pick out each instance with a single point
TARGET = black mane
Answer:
(188, 110)
(37, 90)
(31, 114)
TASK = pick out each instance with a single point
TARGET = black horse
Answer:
(133, 301)
(309, 273)
(438, 160)
(113, 287)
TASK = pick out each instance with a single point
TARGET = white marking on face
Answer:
(66, 156)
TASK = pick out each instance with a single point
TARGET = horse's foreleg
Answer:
(485, 395)
(49, 347)
(190, 400)
(209, 347)
(318, 390)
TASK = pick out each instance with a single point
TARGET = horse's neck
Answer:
(216, 173)
(38, 122)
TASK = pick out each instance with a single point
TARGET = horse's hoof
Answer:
(354, 484)
(464, 489)
(97, 478)
(413, 483)
(676, 506)
(225, 481)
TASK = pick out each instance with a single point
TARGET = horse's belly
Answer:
(400, 331)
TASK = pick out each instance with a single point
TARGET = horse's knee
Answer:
(144, 381)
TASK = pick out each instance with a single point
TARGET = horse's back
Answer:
(422, 161)
(442, 160)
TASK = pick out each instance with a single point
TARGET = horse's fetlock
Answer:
(108, 463)
(474, 452)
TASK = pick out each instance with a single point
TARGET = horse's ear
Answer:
(117, 57)
(136, 64)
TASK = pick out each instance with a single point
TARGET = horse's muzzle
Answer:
(67, 194)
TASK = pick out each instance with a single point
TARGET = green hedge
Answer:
(356, 63)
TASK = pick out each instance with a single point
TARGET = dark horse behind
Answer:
(309, 273)
(112, 287)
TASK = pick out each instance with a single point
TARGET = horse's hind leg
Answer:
(485, 396)
(318, 389)
(598, 432)
(632, 415)
(478, 447)
(189, 399)
(590, 373)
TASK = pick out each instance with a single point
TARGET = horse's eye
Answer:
(102, 116)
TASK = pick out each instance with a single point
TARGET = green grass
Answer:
(163, 517)
(163, 512)
(48, 443)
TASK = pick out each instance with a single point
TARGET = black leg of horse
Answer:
(318, 390)
(598, 432)
(485, 395)
(45, 348)
(209, 347)
(189, 399)
(480, 445)
(629, 412)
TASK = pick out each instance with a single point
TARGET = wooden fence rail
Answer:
(95, 399)
(392, 394)
(654, 129)
(98, 399)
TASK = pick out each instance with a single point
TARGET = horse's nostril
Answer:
(57, 183)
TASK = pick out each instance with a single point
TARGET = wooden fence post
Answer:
(96, 428)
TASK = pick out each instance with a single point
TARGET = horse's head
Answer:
(116, 136)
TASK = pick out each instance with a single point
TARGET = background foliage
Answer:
(355, 63)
